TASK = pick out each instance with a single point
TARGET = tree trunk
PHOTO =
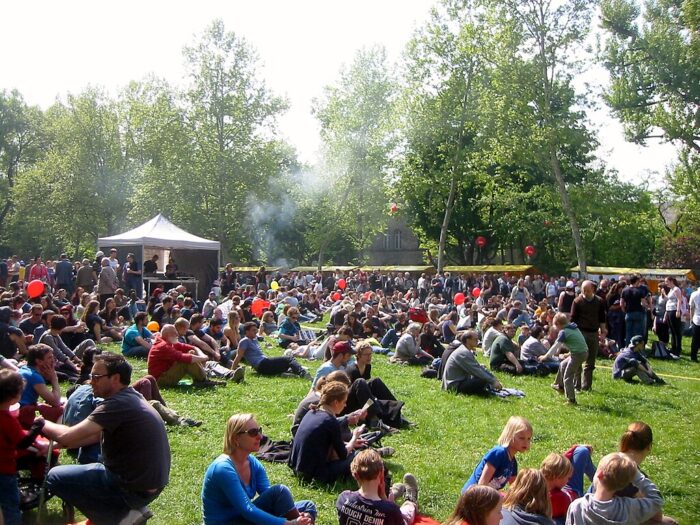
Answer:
(566, 204)
(453, 182)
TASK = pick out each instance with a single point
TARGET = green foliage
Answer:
(79, 187)
(653, 56)
(356, 115)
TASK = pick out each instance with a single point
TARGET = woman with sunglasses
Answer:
(233, 480)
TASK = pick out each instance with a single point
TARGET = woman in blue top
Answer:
(234, 478)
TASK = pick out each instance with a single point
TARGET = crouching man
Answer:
(135, 451)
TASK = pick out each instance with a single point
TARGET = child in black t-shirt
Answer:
(370, 503)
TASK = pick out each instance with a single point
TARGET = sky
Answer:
(52, 48)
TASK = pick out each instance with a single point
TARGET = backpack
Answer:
(659, 351)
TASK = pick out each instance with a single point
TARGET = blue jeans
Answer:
(390, 338)
(9, 499)
(135, 351)
(278, 501)
(583, 464)
(635, 324)
(96, 492)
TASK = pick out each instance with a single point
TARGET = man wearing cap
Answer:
(342, 353)
(64, 274)
(249, 350)
(631, 362)
(588, 312)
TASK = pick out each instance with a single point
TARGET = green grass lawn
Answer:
(452, 433)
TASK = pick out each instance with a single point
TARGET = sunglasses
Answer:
(252, 432)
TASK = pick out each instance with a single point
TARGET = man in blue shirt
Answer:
(249, 349)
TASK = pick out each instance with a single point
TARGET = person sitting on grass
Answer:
(478, 505)
(533, 348)
(631, 362)
(135, 451)
(527, 500)
(341, 355)
(169, 360)
(615, 472)
(13, 438)
(67, 362)
(290, 330)
(188, 336)
(636, 443)
(499, 466)
(463, 373)
(371, 503)
(407, 349)
(505, 354)
(250, 351)
(137, 338)
(318, 449)
(233, 480)
(385, 407)
(37, 373)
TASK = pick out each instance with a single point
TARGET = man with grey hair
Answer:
(463, 373)
(589, 314)
(409, 351)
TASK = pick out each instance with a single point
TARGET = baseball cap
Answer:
(569, 284)
(100, 253)
(636, 340)
(343, 347)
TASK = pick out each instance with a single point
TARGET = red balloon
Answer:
(258, 307)
(459, 298)
(342, 284)
(336, 296)
(481, 241)
(394, 207)
(476, 292)
(35, 288)
(530, 250)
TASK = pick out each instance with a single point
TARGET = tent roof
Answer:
(646, 272)
(492, 268)
(409, 269)
(161, 233)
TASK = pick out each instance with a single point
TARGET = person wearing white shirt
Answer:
(695, 323)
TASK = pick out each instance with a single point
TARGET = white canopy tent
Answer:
(195, 256)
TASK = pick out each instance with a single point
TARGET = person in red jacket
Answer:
(169, 360)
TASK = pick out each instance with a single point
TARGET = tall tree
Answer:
(231, 115)
(356, 116)
(552, 32)
(19, 144)
(448, 68)
(653, 57)
(79, 188)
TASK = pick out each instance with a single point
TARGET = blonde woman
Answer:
(235, 478)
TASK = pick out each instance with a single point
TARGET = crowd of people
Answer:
(523, 325)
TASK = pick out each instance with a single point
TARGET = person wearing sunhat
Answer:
(631, 362)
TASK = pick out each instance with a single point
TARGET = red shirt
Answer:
(40, 272)
(11, 433)
(163, 355)
(561, 499)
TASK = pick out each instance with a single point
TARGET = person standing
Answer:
(673, 315)
(694, 302)
(107, 282)
(133, 471)
(132, 276)
(64, 274)
(588, 312)
(634, 303)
